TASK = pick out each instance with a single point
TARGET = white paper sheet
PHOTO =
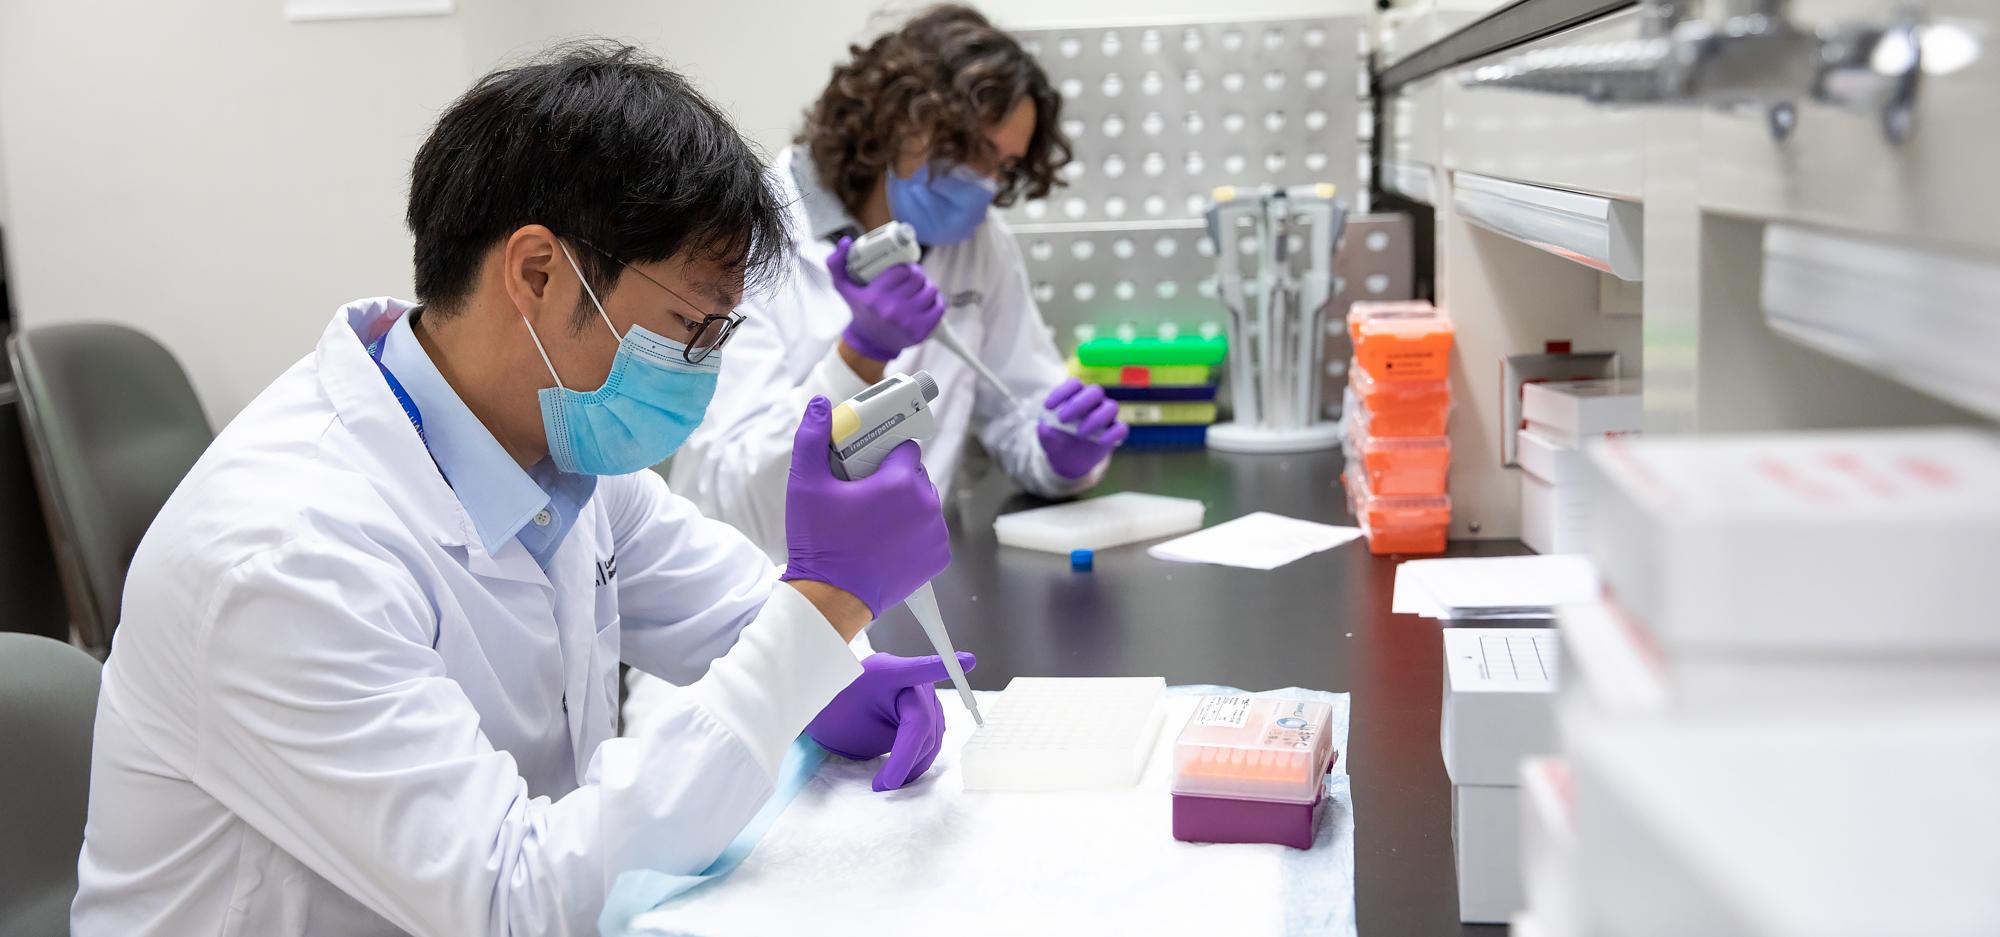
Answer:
(1254, 541)
(1493, 588)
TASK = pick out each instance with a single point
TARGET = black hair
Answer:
(604, 145)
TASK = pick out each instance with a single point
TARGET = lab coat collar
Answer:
(361, 398)
(826, 217)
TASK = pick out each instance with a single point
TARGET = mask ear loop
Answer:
(587, 291)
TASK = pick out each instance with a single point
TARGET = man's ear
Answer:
(530, 259)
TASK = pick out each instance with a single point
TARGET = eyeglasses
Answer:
(706, 336)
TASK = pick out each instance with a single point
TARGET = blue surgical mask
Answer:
(944, 209)
(652, 399)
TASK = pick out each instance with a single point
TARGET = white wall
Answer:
(224, 179)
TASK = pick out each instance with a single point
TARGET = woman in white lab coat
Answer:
(930, 125)
(365, 680)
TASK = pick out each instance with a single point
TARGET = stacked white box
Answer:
(1827, 543)
(1550, 874)
(1563, 418)
(1555, 495)
(1575, 412)
(1499, 708)
(1785, 719)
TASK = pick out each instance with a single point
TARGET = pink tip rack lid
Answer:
(1254, 748)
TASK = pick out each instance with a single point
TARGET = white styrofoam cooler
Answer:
(1881, 541)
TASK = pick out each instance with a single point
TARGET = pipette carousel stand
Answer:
(1277, 293)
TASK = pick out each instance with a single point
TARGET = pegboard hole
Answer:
(1123, 249)
(1110, 44)
(1376, 284)
(1153, 164)
(1232, 123)
(1376, 241)
(1069, 46)
(1232, 39)
(1041, 250)
(1083, 248)
(1233, 164)
(1112, 85)
(1114, 166)
(1166, 247)
(1125, 290)
(1114, 207)
(1151, 83)
(1152, 123)
(1232, 82)
(1166, 289)
(1083, 292)
(1155, 205)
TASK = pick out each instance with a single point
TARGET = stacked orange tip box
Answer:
(1398, 400)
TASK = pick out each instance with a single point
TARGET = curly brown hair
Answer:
(945, 77)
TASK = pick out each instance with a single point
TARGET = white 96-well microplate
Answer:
(1065, 733)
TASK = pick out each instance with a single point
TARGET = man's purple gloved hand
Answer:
(891, 708)
(895, 310)
(879, 537)
(1095, 417)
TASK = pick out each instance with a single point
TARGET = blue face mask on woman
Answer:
(944, 209)
(652, 399)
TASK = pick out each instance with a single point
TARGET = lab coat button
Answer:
(542, 518)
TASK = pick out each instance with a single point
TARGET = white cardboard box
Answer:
(1499, 702)
(1554, 518)
(1817, 825)
(1573, 412)
(1884, 540)
(1486, 847)
(1551, 880)
(1614, 668)
(1549, 460)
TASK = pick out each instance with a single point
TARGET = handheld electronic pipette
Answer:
(866, 428)
(896, 243)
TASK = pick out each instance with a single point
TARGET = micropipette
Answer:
(866, 428)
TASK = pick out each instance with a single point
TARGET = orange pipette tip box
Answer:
(1409, 465)
(1412, 349)
(1430, 398)
(1397, 309)
(1396, 524)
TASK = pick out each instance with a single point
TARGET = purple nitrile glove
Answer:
(895, 310)
(891, 708)
(1098, 431)
(879, 537)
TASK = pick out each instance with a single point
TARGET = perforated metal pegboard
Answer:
(1159, 116)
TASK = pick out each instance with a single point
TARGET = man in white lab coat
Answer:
(365, 681)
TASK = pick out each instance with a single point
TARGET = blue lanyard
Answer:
(396, 387)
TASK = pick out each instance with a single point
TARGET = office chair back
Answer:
(48, 704)
(112, 427)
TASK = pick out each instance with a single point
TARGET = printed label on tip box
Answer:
(1231, 711)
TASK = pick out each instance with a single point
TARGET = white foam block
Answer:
(1065, 733)
(1499, 702)
(1883, 540)
(1096, 523)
